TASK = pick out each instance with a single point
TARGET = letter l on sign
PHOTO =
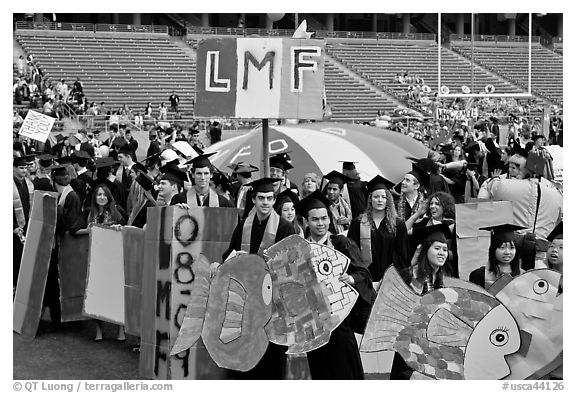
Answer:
(213, 83)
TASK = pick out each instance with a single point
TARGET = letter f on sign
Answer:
(299, 65)
(213, 83)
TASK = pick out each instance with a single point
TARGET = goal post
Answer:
(441, 94)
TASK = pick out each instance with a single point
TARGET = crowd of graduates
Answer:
(376, 222)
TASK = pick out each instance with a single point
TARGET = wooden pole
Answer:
(265, 165)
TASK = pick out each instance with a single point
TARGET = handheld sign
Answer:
(260, 78)
(37, 126)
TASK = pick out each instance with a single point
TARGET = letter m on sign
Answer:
(268, 58)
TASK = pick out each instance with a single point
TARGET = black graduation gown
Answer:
(340, 357)
(478, 276)
(273, 363)
(387, 248)
(358, 194)
(67, 216)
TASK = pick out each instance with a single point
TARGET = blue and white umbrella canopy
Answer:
(318, 147)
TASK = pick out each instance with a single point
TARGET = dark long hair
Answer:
(446, 201)
(110, 206)
(493, 263)
(423, 268)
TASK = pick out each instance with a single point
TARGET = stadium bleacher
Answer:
(511, 61)
(117, 69)
(134, 69)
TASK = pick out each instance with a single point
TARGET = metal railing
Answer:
(89, 27)
(493, 38)
(246, 32)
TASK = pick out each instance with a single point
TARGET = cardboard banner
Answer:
(104, 298)
(535, 303)
(34, 266)
(37, 126)
(133, 249)
(448, 333)
(472, 243)
(309, 300)
(175, 240)
(72, 269)
(260, 78)
(229, 311)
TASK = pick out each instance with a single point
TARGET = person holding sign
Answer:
(103, 211)
(261, 229)
(339, 358)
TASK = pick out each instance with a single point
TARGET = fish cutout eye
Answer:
(267, 289)
(325, 267)
(499, 337)
(541, 287)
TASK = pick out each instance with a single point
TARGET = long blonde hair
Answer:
(390, 215)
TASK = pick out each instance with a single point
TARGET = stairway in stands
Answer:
(117, 69)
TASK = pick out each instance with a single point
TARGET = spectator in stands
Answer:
(148, 110)
(48, 108)
(174, 100)
(78, 86)
(162, 112)
(138, 121)
(17, 118)
(113, 119)
(62, 88)
(21, 66)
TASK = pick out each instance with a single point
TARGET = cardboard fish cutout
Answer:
(449, 333)
(229, 312)
(308, 300)
(534, 302)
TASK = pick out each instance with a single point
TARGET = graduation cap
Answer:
(81, 157)
(59, 137)
(348, 165)
(138, 167)
(502, 233)
(280, 162)
(433, 233)
(421, 175)
(23, 160)
(126, 148)
(265, 184)
(315, 200)
(286, 155)
(145, 181)
(194, 131)
(59, 170)
(556, 232)
(284, 197)
(45, 160)
(119, 142)
(201, 161)
(536, 164)
(65, 160)
(517, 150)
(172, 173)
(96, 131)
(379, 183)
(243, 169)
(336, 177)
(151, 159)
(105, 162)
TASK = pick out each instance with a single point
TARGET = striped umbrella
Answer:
(317, 147)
